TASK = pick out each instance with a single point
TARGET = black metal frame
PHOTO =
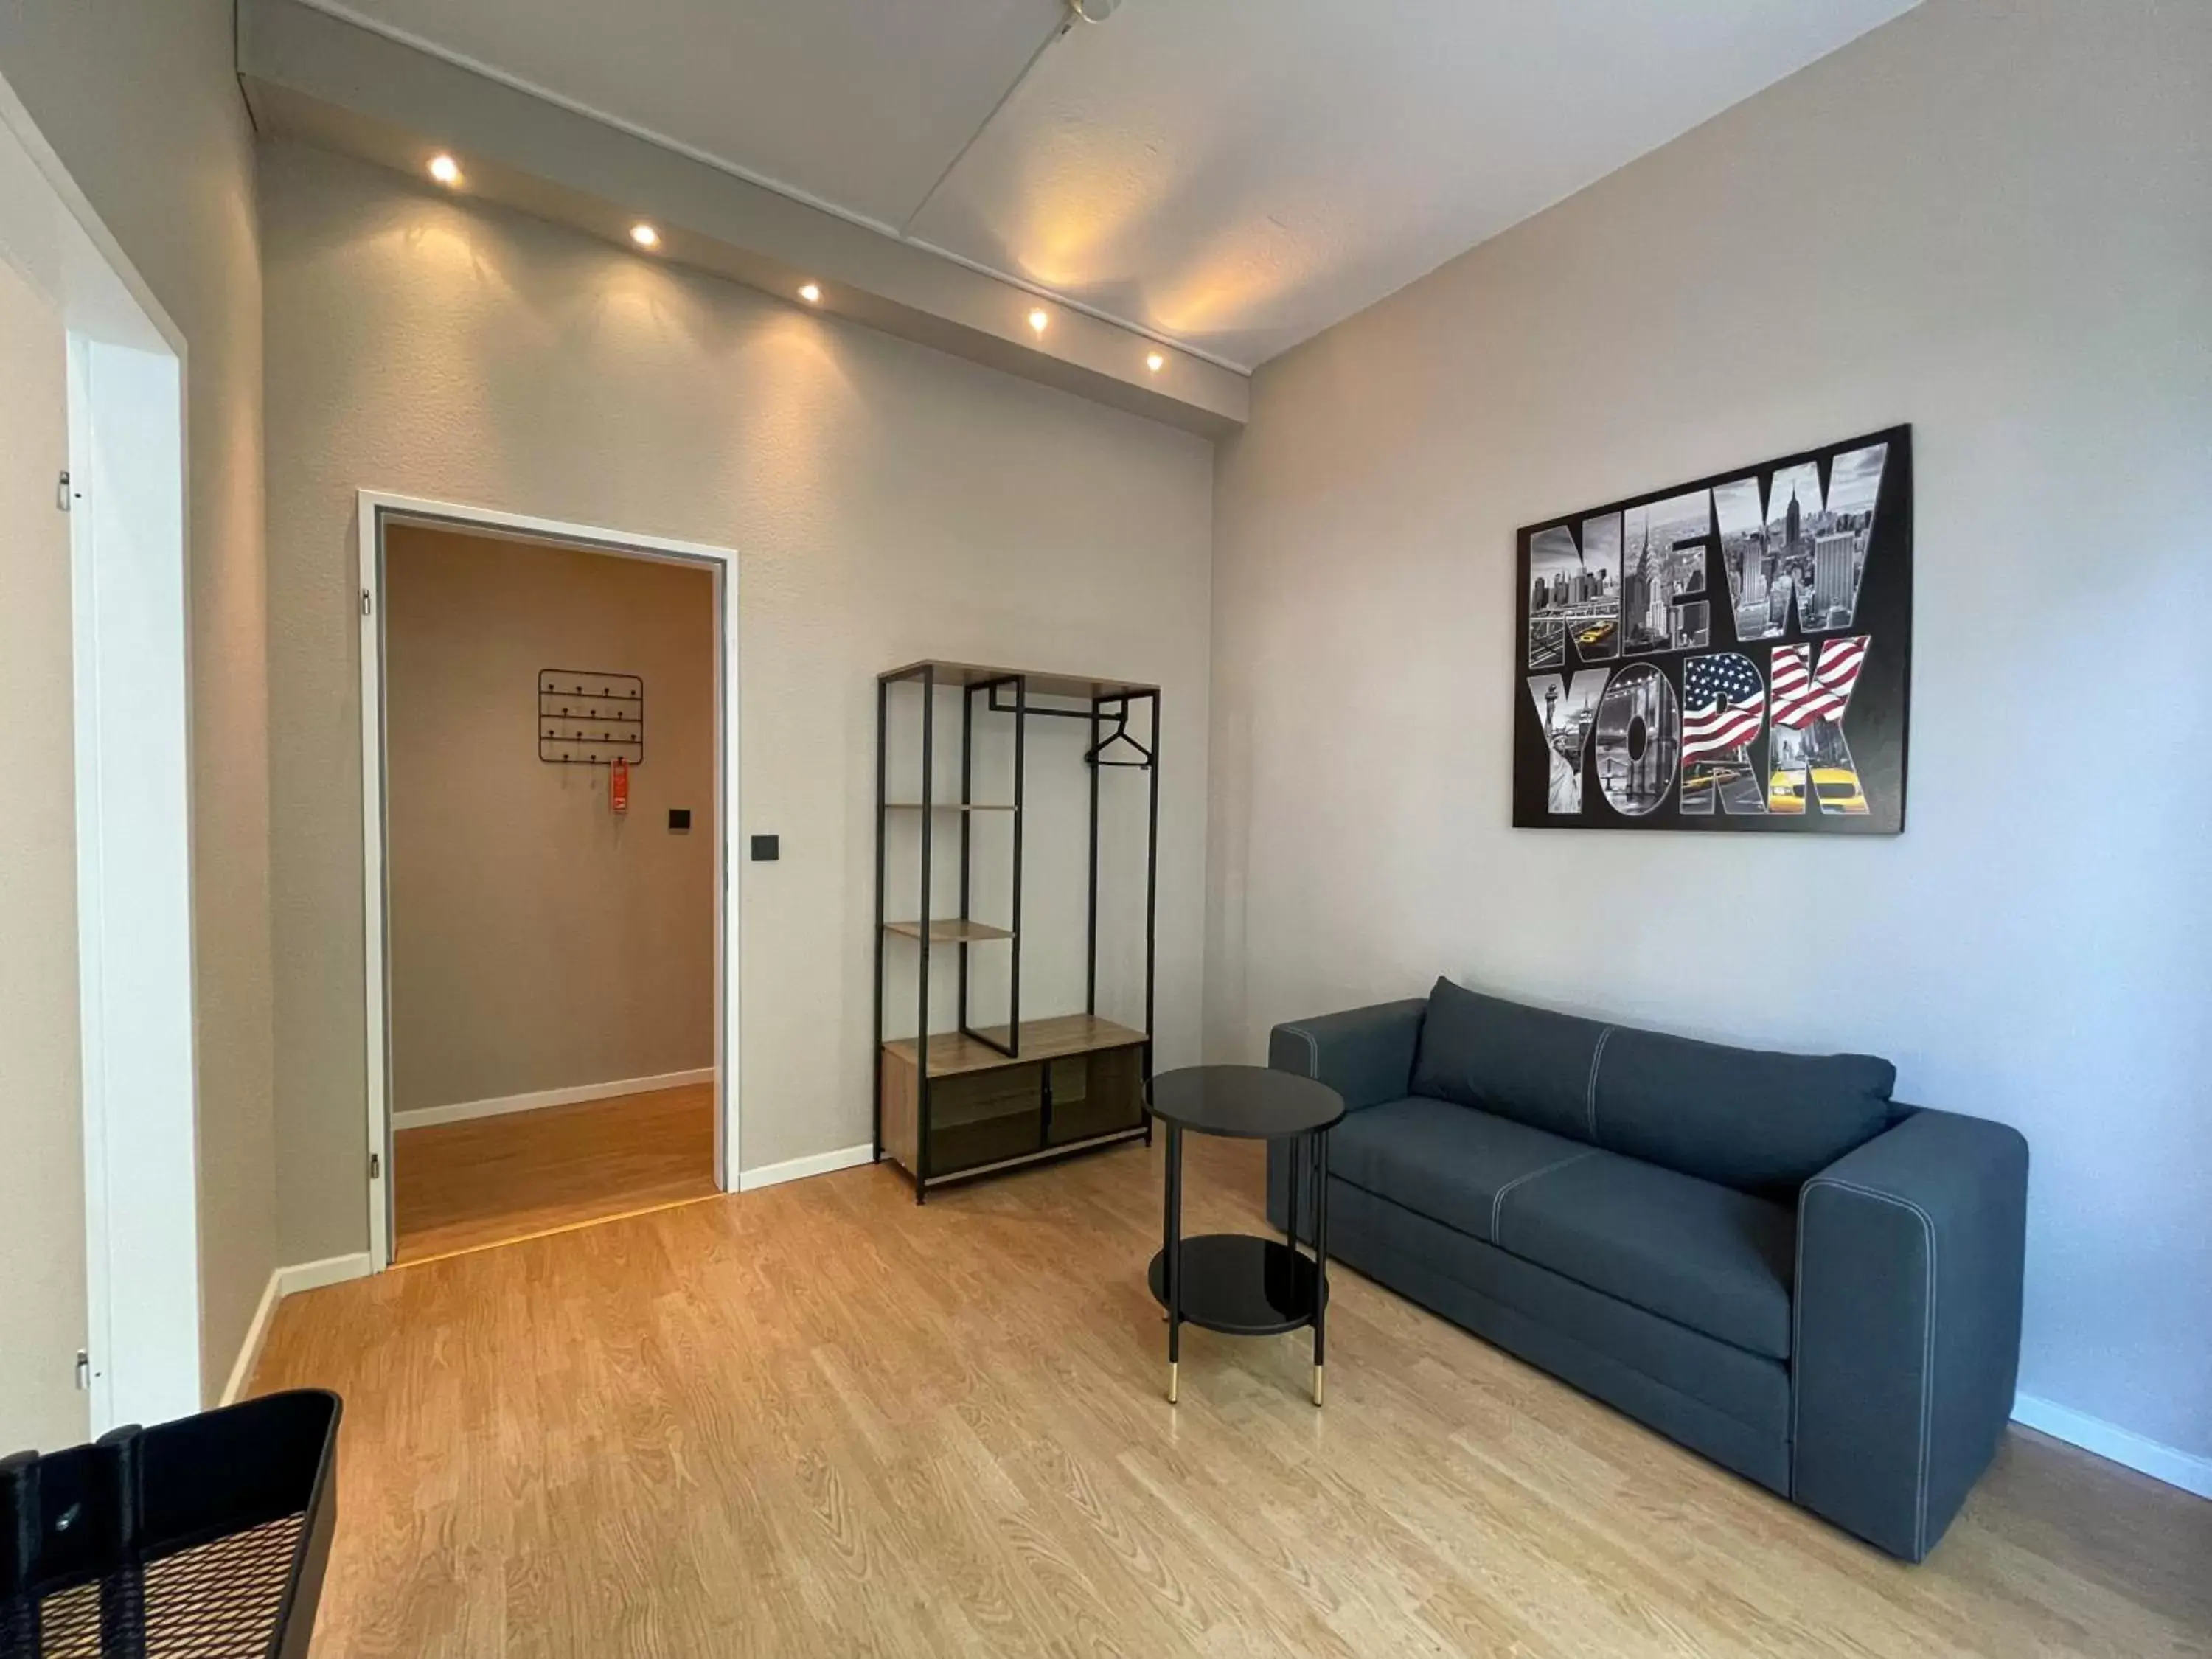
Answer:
(1310, 1146)
(1114, 706)
(1011, 1047)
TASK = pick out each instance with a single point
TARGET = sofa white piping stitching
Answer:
(1798, 1334)
(1928, 1347)
(1498, 1199)
(1589, 1094)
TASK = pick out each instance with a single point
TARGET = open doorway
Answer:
(553, 871)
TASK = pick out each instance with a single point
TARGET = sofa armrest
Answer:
(1365, 1054)
(1910, 1253)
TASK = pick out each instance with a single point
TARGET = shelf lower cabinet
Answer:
(1077, 1082)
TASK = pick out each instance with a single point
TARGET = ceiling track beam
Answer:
(1058, 32)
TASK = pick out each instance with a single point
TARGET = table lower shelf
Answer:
(1243, 1285)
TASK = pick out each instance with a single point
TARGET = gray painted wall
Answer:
(888, 503)
(42, 1288)
(1993, 221)
(139, 98)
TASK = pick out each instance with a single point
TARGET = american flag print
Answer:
(1805, 690)
(1724, 704)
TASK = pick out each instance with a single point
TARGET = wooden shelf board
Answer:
(953, 1053)
(1040, 685)
(949, 931)
(954, 806)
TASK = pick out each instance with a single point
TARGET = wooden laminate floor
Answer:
(815, 1419)
(491, 1180)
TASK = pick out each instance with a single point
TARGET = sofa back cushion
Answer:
(1759, 1122)
(1527, 1063)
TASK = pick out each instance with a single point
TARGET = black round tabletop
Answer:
(1255, 1103)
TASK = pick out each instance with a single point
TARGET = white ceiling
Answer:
(1233, 175)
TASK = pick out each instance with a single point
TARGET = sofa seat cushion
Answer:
(1706, 1256)
(1728, 1404)
(1446, 1162)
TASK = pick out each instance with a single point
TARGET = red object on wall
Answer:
(618, 785)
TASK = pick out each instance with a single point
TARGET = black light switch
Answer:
(679, 818)
(765, 849)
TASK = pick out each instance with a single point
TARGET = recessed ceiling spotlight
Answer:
(810, 292)
(444, 169)
(1039, 320)
(1094, 11)
(1155, 361)
(644, 235)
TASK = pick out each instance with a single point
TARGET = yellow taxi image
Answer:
(1837, 789)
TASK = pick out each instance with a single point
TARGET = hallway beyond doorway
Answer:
(495, 1180)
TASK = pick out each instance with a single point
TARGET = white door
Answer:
(42, 1188)
(98, 1184)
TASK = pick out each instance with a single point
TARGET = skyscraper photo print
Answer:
(1732, 654)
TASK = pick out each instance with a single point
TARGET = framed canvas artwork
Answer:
(1731, 654)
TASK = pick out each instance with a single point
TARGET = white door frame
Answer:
(379, 509)
(129, 644)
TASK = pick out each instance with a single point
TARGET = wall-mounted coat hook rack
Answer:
(586, 718)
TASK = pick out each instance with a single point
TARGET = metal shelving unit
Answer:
(972, 1100)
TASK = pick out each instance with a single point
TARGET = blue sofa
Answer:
(1760, 1255)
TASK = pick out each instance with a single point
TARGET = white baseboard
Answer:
(797, 1169)
(331, 1270)
(300, 1276)
(249, 1351)
(422, 1117)
(2176, 1468)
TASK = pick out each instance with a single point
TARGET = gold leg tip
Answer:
(1171, 1382)
(1316, 1385)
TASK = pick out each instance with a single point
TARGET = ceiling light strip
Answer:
(1241, 370)
(461, 60)
(346, 13)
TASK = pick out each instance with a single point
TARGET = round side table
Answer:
(1234, 1282)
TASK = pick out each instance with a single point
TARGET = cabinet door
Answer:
(980, 1117)
(1095, 1094)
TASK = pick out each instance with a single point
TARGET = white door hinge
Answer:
(376, 1166)
(84, 1370)
(364, 602)
(62, 495)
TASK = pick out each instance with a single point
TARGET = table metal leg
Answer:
(1174, 1249)
(1321, 1255)
(1291, 1215)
